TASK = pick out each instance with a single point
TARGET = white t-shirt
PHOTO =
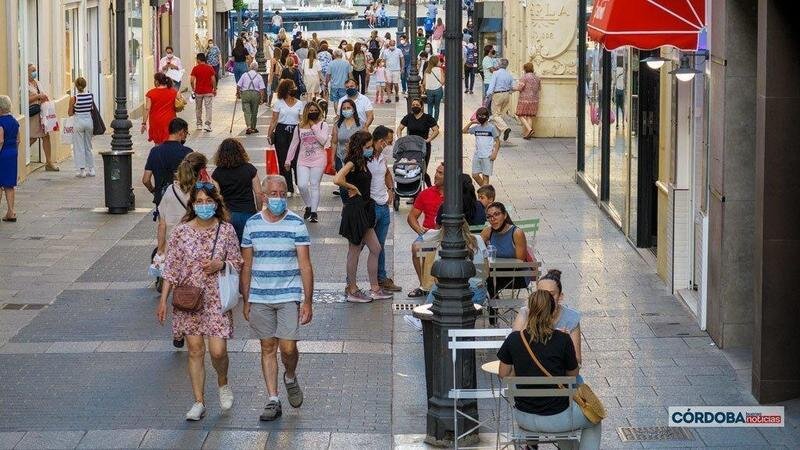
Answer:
(431, 82)
(377, 190)
(277, 20)
(288, 115)
(314, 70)
(392, 58)
(363, 104)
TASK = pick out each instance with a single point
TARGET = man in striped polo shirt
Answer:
(277, 269)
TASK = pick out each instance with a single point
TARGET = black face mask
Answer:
(482, 119)
(313, 115)
(416, 109)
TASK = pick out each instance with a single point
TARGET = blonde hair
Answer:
(5, 104)
(541, 307)
(433, 61)
(305, 122)
(189, 169)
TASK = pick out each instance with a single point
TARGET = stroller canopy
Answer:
(411, 147)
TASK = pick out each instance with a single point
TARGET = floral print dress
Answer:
(188, 249)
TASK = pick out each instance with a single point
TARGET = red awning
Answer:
(647, 24)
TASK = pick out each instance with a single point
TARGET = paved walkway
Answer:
(84, 363)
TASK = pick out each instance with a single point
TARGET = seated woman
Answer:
(565, 318)
(509, 241)
(555, 352)
(474, 212)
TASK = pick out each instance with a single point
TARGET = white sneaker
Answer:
(207, 128)
(413, 322)
(197, 412)
(91, 173)
(225, 397)
(199, 127)
(80, 173)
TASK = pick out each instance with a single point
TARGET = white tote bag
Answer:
(67, 130)
(228, 288)
(48, 117)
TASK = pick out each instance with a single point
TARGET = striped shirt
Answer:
(276, 271)
(84, 102)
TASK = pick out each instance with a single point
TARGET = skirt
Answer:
(527, 108)
(37, 129)
(358, 217)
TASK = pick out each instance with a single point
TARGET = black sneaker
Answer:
(178, 343)
(307, 214)
(313, 218)
(506, 133)
(294, 392)
(272, 411)
(336, 193)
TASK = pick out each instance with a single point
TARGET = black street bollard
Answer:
(118, 183)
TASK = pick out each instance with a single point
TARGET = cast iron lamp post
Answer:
(262, 65)
(117, 170)
(452, 304)
(411, 32)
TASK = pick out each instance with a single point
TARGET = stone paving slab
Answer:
(112, 439)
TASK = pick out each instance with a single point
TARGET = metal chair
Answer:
(470, 339)
(514, 387)
(500, 307)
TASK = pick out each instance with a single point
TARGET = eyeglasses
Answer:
(494, 216)
(205, 185)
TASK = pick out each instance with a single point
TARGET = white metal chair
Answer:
(505, 308)
(473, 339)
(514, 387)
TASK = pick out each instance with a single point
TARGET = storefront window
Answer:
(201, 34)
(72, 48)
(135, 82)
(593, 113)
(619, 133)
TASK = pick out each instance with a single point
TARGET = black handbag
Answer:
(98, 126)
(34, 109)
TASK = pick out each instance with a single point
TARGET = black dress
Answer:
(358, 213)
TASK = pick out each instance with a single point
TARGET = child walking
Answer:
(487, 145)
(379, 72)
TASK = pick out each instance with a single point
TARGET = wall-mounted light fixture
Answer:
(655, 62)
(687, 70)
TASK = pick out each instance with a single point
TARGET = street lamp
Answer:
(413, 73)
(262, 64)
(117, 163)
(452, 304)
(655, 62)
(687, 71)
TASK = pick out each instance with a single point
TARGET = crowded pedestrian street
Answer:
(250, 291)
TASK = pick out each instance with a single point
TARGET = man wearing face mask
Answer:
(487, 145)
(164, 159)
(279, 284)
(394, 67)
(171, 62)
(364, 105)
(405, 48)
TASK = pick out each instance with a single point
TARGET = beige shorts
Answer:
(393, 76)
(275, 320)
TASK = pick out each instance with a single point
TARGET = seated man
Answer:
(426, 204)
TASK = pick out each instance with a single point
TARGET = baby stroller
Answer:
(409, 168)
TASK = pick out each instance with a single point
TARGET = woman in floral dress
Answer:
(190, 263)
(528, 102)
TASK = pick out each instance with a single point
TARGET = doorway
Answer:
(93, 19)
(647, 198)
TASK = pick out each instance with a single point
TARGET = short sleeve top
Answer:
(419, 127)
(343, 135)
(288, 115)
(236, 187)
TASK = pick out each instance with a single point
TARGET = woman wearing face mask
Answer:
(488, 66)
(422, 125)
(199, 248)
(308, 143)
(346, 126)
(509, 241)
(159, 109)
(358, 217)
(285, 117)
(36, 97)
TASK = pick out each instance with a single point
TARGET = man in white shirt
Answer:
(382, 192)
(363, 103)
(171, 62)
(394, 69)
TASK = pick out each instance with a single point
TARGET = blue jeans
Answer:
(570, 419)
(404, 79)
(382, 220)
(338, 164)
(238, 219)
(336, 94)
(239, 69)
(434, 101)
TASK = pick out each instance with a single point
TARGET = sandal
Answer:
(530, 135)
(418, 292)
(10, 219)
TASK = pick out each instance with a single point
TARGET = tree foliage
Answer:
(240, 5)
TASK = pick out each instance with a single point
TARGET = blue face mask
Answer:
(35, 74)
(352, 92)
(347, 113)
(205, 211)
(276, 205)
(367, 152)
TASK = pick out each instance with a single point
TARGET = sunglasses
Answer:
(205, 185)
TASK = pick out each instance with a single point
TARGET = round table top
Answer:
(424, 311)
(491, 367)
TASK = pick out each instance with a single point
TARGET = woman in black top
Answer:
(238, 183)
(358, 217)
(422, 125)
(239, 54)
(555, 352)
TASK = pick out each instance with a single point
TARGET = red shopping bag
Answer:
(272, 162)
(330, 168)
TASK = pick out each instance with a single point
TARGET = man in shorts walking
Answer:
(487, 145)
(394, 69)
(277, 269)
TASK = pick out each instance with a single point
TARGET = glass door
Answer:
(593, 115)
(72, 48)
(619, 134)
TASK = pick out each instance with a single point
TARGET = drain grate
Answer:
(406, 306)
(646, 434)
(35, 238)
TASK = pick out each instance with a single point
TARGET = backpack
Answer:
(471, 57)
(374, 45)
